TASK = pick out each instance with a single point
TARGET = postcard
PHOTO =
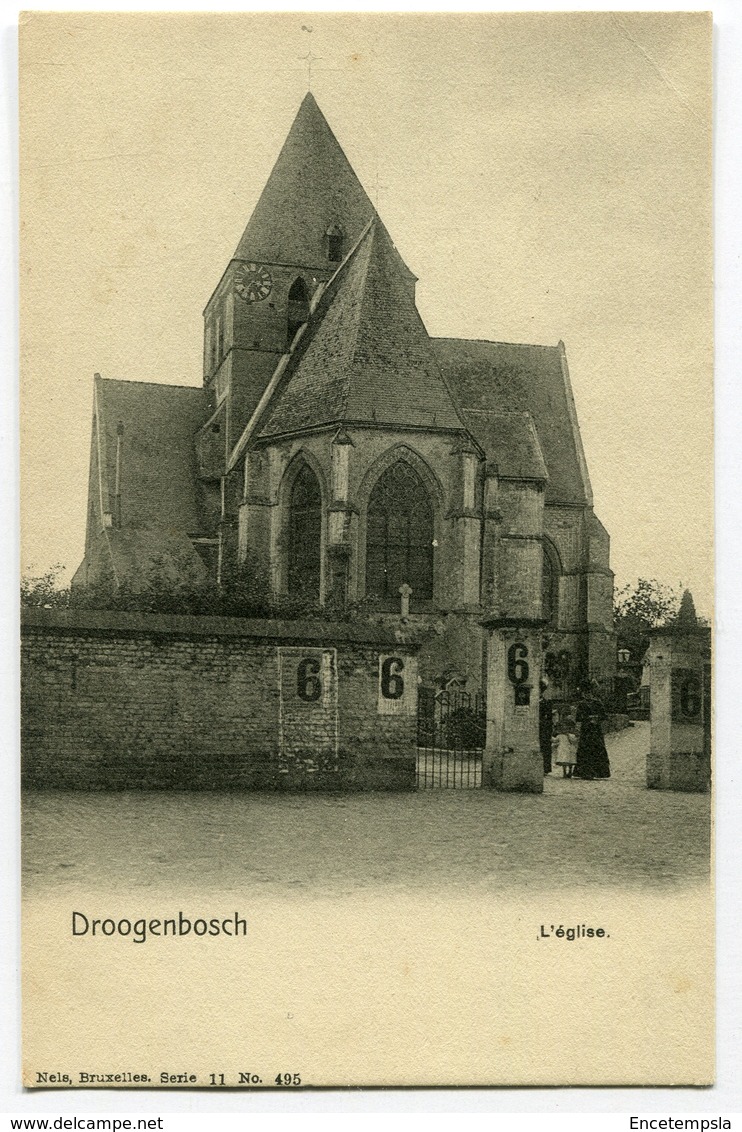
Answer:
(366, 397)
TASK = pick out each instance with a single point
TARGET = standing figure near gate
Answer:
(592, 756)
(545, 725)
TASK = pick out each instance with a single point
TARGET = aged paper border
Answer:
(727, 601)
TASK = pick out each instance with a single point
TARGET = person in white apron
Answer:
(565, 745)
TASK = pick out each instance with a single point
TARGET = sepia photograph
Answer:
(367, 549)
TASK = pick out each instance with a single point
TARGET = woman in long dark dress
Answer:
(592, 756)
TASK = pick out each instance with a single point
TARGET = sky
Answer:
(546, 177)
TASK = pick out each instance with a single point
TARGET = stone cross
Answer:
(404, 593)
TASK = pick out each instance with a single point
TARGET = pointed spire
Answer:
(686, 619)
(311, 189)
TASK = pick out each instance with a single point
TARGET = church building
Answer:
(342, 455)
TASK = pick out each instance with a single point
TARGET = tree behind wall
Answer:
(639, 608)
(45, 591)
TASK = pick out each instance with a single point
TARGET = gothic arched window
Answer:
(298, 307)
(334, 237)
(550, 572)
(305, 534)
(399, 536)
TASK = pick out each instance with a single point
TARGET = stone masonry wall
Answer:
(129, 701)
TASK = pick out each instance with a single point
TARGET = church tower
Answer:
(310, 214)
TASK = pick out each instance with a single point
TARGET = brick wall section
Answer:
(130, 701)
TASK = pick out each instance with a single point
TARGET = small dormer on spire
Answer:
(313, 207)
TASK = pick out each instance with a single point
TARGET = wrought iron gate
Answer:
(451, 732)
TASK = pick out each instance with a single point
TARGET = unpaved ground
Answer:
(575, 835)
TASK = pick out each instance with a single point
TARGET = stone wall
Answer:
(135, 701)
(681, 709)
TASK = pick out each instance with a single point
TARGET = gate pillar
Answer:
(512, 757)
(680, 704)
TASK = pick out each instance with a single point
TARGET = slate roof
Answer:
(502, 377)
(136, 554)
(509, 442)
(311, 187)
(365, 354)
(158, 474)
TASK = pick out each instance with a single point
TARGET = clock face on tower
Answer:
(253, 283)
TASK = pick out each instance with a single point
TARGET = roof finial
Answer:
(310, 57)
